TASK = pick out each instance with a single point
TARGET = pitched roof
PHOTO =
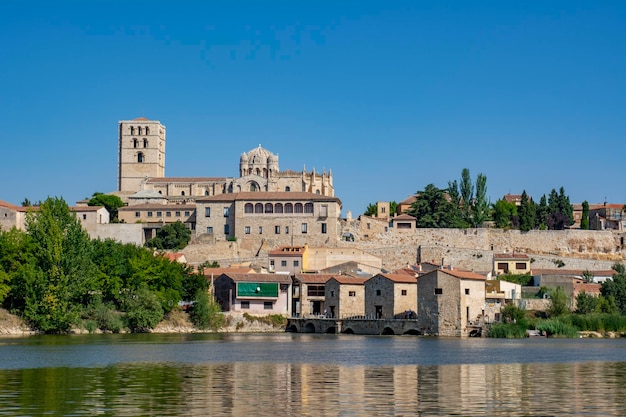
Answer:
(459, 273)
(314, 278)
(349, 280)
(282, 278)
(283, 251)
(167, 180)
(268, 196)
(574, 272)
(158, 206)
(399, 278)
(403, 217)
(510, 256)
(8, 205)
(216, 272)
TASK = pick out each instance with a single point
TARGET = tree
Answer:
(206, 312)
(560, 211)
(616, 287)
(504, 214)
(542, 214)
(109, 201)
(527, 213)
(432, 209)
(143, 310)
(586, 303)
(481, 205)
(558, 302)
(584, 220)
(511, 313)
(372, 209)
(171, 236)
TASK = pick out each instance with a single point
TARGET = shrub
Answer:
(143, 310)
(206, 312)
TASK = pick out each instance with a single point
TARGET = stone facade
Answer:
(309, 294)
(391, 296)
(141, 152)
(449, 300)
(345, 297)
(279, 218)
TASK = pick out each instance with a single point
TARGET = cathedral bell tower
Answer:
(141, 152)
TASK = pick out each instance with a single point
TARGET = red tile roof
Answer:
(345, 279)
(314, 278)
(510, 256)
(399, 278)
(282, 278)
(167, 180)
(282, 251)
(268, 196)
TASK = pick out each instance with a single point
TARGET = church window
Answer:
(278, 208)
(258, 172)
(269, 208)
(288, 208)
(253, 187)
(317, 192)
(145, 143)
(308, 208)
(135, 143)
(206, 192)
(298, 208)
(248, 208)
(265, 172)
(140, 157)
(287, 188)
(139, 129)
(258, 208)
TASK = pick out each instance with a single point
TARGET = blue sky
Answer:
(390, 96)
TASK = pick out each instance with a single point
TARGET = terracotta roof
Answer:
(345, 279)
(268, 196)
(510, 256)
(142, 119)
(314, 278)
(168, 180)
(162, 207)
(399, 278)
(512, 198)
(283, 278)
(8, 205)
(173, 256)
(403, 217)
(86, 208)
(282, 252)
(216, 272)
(409, 200)
(459, 273)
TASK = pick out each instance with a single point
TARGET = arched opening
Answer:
(331, 330)
(258, 208)
(388, 331)
(287, 188)
(269, 208)
(412, 332)
(308, 208)
(291, 329)
(139, 129)
(258, 172)
(309, 328)
(147, 130)
(476, 333)
(182, 193)
(288, 208)
(135, 143)
(348, 331)
(145, 143)
(132, 130)
(278, 208)
(206, 192)
(264, 172)
(298, 208)
(253, 187)
(248, 208)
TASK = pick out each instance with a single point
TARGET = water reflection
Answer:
(263, 389)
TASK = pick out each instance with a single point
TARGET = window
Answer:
(369, 226)
(84, 217)
(245, 305)
(260, 230)
(382, 209)
(168, 214)
(247, 230)
(159, 213)
(269, 208)
(226, 229)
(332, 293)
(140, 157)
(226, 211)
(145, 143)
(271, 264)
(378, 292)
(207, 212)
(324, 228)
(134, 142)
(288, 208)
(403, 292)
(187, 214)
(287, 188)
(277, 230)
(149, 214)
(298, 208)
(248, 208)
(351, 293)
(438, 291)
(286, 230)
(503, 266)
(258, 208)
(182, 193)
(278, 208)
(209, 230)
(324, 210)
(520, 265)
(137, 214)
(283, 263)
(308, 208)
(268, 305)
(315, 290)
(304, 228)
(296, 263)
(467, 291)
(177, 214)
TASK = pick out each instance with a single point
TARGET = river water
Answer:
(310, 375)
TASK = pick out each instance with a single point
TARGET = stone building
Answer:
(449, 300)
(391, 296)
(345, 297)
(309, 292)
(254, 293)
(279, 218)
(153, 216)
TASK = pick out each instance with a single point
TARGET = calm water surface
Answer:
(310, 375)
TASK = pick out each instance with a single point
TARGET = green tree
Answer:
(109, 201)
(432, 209)
(586, 303)
(527, 213)
(371, 210)
(481, 205)
(206, 312)
(542, 214)
(143, 310)
(616, 287)
(504, 214)
(558, 302)
(511, 313)
(584, 220)
(171, 237)
(560, 211)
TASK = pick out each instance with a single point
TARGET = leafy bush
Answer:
(143, 310)
(206, 312)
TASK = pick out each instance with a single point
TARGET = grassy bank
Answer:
(568, 325)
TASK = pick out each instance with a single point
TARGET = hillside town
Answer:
(283, 246)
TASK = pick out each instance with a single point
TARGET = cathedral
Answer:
(141, 170)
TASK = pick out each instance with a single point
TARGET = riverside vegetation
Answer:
(56, 279)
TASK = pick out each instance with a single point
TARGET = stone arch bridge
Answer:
(362, 326)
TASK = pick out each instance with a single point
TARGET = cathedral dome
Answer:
(244, 157)
(259, 155)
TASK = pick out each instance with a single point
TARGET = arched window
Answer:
(140, 157)
(132, 130)
(258, 208)
(317, 192)
(249, 171)
(248, 208)
(145, 143)
(278, 208)
(298, 208)
(147, 130)
(258, 172)
(269, 208)
(308, 208)
(288, 208)
(287, 188)
(139, 129)
(134, 143)
(206, 192)
(182, 193)
(265, 172)
(253, 187)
